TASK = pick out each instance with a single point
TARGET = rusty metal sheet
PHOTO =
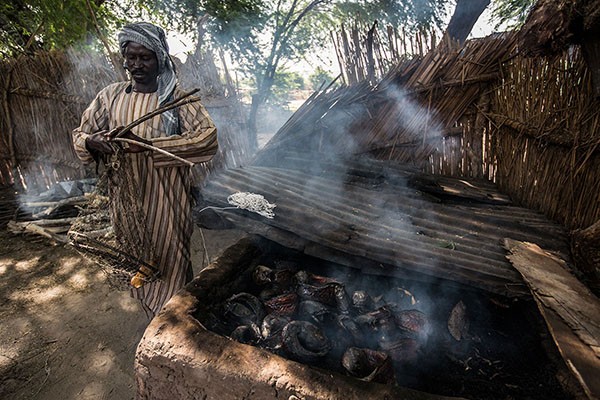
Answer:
(380, 215)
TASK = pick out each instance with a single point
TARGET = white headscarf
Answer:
(153, 38)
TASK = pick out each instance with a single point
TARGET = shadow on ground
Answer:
(65, 333)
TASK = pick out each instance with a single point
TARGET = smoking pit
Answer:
(440, 340)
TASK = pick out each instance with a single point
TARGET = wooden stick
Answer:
(36, 229)
(153, 148)
(175, 103)
(80, 239)
(54, 204)
(49, 222)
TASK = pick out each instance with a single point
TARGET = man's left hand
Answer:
(130, 147)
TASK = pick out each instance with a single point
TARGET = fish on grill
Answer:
(346, 333)
(304, 341)
(401, 350)
(247, 334)
(378, 325)
(243, 309)
(284, 304)
(414, 322)
(271, 330)
(348, 327)
(332, 294)
(304, 276)
(316, 312)
(368, 365)
(297, 312)
(263, 275)
(272, 325)
(362, 301)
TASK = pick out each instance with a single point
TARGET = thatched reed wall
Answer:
(422, 111)
(547, 126)
(43, 97)
(42, 101)
(368, 57)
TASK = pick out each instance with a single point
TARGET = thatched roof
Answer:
(406, 115)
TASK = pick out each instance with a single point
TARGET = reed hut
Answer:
(484, 110)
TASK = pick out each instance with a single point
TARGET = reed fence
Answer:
(43, 97)
(480, 110)
(547, 123)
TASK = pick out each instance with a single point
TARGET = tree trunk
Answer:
(258, 100)
(252, 129)
(466, 14)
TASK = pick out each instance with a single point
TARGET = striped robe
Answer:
(162, 184)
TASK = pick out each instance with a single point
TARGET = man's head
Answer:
(151, 37)
(146, 53)
(142, 63)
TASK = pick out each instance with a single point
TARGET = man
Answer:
(157, 225)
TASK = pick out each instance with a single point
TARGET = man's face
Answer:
(141, 63)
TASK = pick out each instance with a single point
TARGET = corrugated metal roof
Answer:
(388, 219)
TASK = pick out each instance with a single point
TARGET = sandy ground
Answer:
(64, 333)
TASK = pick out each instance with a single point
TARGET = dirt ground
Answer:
(65, 334)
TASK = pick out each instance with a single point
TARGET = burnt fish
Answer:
(271, 330)
(284, 304)
(368, 365)
(332, 294)
(413, 322)
(304, 341)
(316, 312)
(243, 309)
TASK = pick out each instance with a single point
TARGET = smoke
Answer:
(417, 121)
(341, 177)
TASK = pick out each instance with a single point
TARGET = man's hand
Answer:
(129, 147)
(99, 143)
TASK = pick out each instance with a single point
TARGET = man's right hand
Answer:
(99, 142)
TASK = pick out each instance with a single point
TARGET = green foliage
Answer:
(260, 35)
(284, 83)
(410, 14)
(319, 78)
(511, 12)
(28, 25)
